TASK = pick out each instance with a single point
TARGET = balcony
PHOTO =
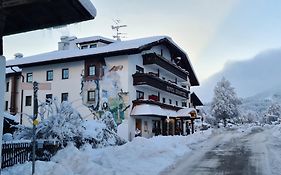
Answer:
(152, 102)
(156, 82)
(153, 58)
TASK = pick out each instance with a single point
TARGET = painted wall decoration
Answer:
(108, 94)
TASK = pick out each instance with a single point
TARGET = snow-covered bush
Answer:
(225, 102)
(58, 121)
(62, 122)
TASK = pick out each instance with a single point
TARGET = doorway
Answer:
(138, 127)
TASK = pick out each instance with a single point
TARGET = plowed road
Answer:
(229, 152)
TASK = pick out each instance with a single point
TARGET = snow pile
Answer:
(277, 132)
(141, 156)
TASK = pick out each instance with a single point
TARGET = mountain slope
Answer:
(260, 74)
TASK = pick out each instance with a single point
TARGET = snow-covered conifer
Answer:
(225, 101)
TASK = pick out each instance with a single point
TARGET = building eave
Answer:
(23, 16)
(185, 63)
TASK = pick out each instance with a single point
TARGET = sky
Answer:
(213, 32)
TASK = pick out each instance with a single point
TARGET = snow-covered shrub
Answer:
(62, 122)
(99, 135)
(274, 109)
(58, 121)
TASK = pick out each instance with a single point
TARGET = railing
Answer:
(154, 81)
(15, 153)
(153, 58)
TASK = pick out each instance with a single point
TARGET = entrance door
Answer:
(172, 127)
(138, 127)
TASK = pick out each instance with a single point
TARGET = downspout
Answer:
(21, 100)
(13, 104)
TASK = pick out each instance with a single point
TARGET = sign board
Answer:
(41, 86)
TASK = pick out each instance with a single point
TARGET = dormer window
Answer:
(88, 45)
(84, 47)
(94, 45)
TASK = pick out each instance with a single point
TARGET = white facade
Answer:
(119, 66)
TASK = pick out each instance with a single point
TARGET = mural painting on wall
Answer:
(108, 95)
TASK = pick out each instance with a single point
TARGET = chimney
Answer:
(18, 55)
(65, 42)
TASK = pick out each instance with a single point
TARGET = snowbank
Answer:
(141, 156)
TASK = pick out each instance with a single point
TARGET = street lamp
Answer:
(17, 16)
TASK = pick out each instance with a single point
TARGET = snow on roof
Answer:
(93, 38)
(64, 54)
(9, 70)
(88, 5)
(9, 116)
(186, 111)
(149, 109)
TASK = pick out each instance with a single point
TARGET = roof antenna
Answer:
(116, 27)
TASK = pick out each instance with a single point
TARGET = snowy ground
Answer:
(246, 149)
(139, 157)
(240, 150)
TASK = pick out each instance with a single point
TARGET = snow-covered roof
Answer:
(117, 47)
(9, 70)
(93, 38)
(185, 112)
(150, 109)
(65, 54)
(9, 116)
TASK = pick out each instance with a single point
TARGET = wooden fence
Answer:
(15, 153)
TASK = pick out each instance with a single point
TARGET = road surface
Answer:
(232, 152)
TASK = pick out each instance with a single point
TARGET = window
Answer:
(176, 103)
(170, 101)
(183, 104)
(28, 100)
(163, 100)
(6, 105)
(49, 98)
(29, 78)
(50, 75)
(140, 95)
(65, 73)
(92, 70)
(84, 47)
(91, 96)
(93, 45)
(161, 52)
(64, 97)
(139, 69)
(7, 86)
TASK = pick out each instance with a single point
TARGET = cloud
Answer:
(249, 77)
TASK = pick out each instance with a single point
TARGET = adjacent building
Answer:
(145, 82)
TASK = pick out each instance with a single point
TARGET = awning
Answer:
(186, 112)
(148, 109)
(154, 110)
